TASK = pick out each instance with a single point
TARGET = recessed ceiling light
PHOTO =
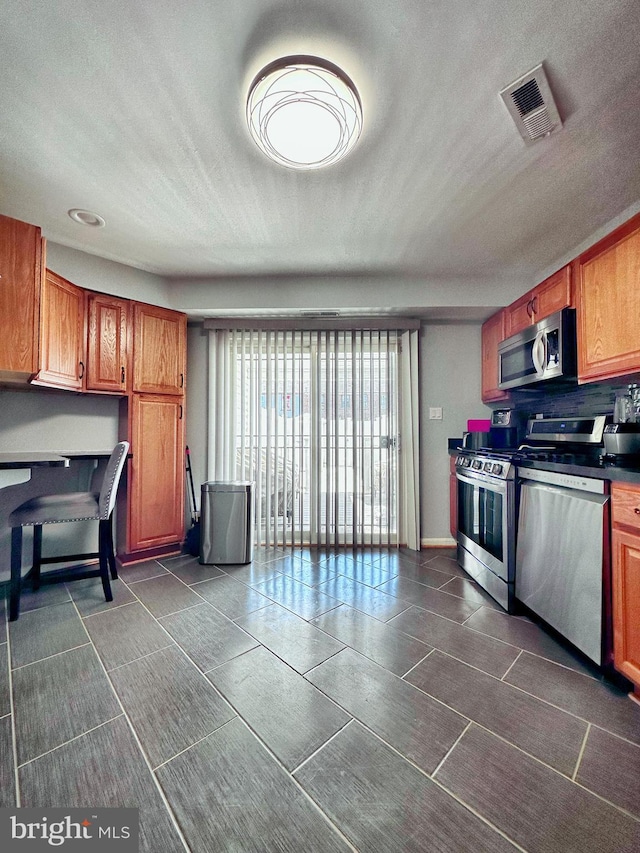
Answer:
(86, 217)
(304, 112)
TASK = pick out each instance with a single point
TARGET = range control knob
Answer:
(497, 468)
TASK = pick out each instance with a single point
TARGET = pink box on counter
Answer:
(478, 425)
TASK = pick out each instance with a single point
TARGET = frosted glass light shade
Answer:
(304, 112)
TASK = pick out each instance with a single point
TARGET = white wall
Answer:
(107, 276)
(450, 378)
(463, 299)
(197, 409)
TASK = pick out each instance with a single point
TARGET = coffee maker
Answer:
(505, 429)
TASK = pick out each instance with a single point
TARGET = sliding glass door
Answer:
(315, 424)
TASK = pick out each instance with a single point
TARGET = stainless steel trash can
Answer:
(226, 522)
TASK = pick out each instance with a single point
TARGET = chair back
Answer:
(111, 479)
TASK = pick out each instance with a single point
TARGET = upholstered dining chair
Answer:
(59, 509)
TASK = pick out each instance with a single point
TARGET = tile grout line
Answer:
(143, 754)
(417, 664)
(49, 657)
(451, 748)
(581, 753)
(142, 657)
(312, 668)
(71, 740)
(510, 667)
(195, 743)
(322, 746)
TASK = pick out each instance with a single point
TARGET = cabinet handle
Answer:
(81, 370)
(122, 375)
(534, 305)
(637, 510)
(180, 418)
(182, 380)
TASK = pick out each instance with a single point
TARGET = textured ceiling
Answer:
(135, 110)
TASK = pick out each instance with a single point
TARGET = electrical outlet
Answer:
(435, 413)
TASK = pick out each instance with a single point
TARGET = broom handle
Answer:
(190, 476)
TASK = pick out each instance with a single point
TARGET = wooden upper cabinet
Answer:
(492, 335)
(108, 349)
(159, 350)
(551, 295)
(21, 268)
(608, 305)
(62, 334)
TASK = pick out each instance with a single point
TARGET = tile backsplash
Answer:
(596, 398)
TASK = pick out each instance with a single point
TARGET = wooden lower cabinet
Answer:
(155, 477)
(453, 498)
(625, 501)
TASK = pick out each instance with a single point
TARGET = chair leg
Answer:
(37, 556)
(16, 573)
(104, 530)
(112, 555)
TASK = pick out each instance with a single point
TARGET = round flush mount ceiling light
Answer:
(86, 217)
(304, 112)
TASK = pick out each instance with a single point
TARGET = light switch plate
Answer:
(435, 413)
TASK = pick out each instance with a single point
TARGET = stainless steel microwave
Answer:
(542, 352)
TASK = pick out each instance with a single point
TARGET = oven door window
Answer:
(480, 517)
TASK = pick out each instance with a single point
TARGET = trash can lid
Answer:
(227, 486)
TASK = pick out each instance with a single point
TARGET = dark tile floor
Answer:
(314, 701)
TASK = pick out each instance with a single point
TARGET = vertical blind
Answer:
(313, 418)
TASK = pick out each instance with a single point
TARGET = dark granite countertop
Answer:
(614, 473)
(47, 458)
(604, 471)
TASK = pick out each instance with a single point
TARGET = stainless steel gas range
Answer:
(486, 496)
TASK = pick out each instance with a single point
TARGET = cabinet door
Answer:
(21, 267)
(107, 343)
(156, 472)
(159, 350)
(626, 604)
(492, 334)
(608, 307)
(62, 334)
(518, 315)
(551, 295)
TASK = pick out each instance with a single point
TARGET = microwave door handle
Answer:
(538, 352)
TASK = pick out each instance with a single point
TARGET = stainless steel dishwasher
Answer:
(561, 554)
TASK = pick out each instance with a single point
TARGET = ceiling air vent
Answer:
(531, 104)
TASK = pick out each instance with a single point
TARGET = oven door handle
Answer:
(488, 482)
(539, 353)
